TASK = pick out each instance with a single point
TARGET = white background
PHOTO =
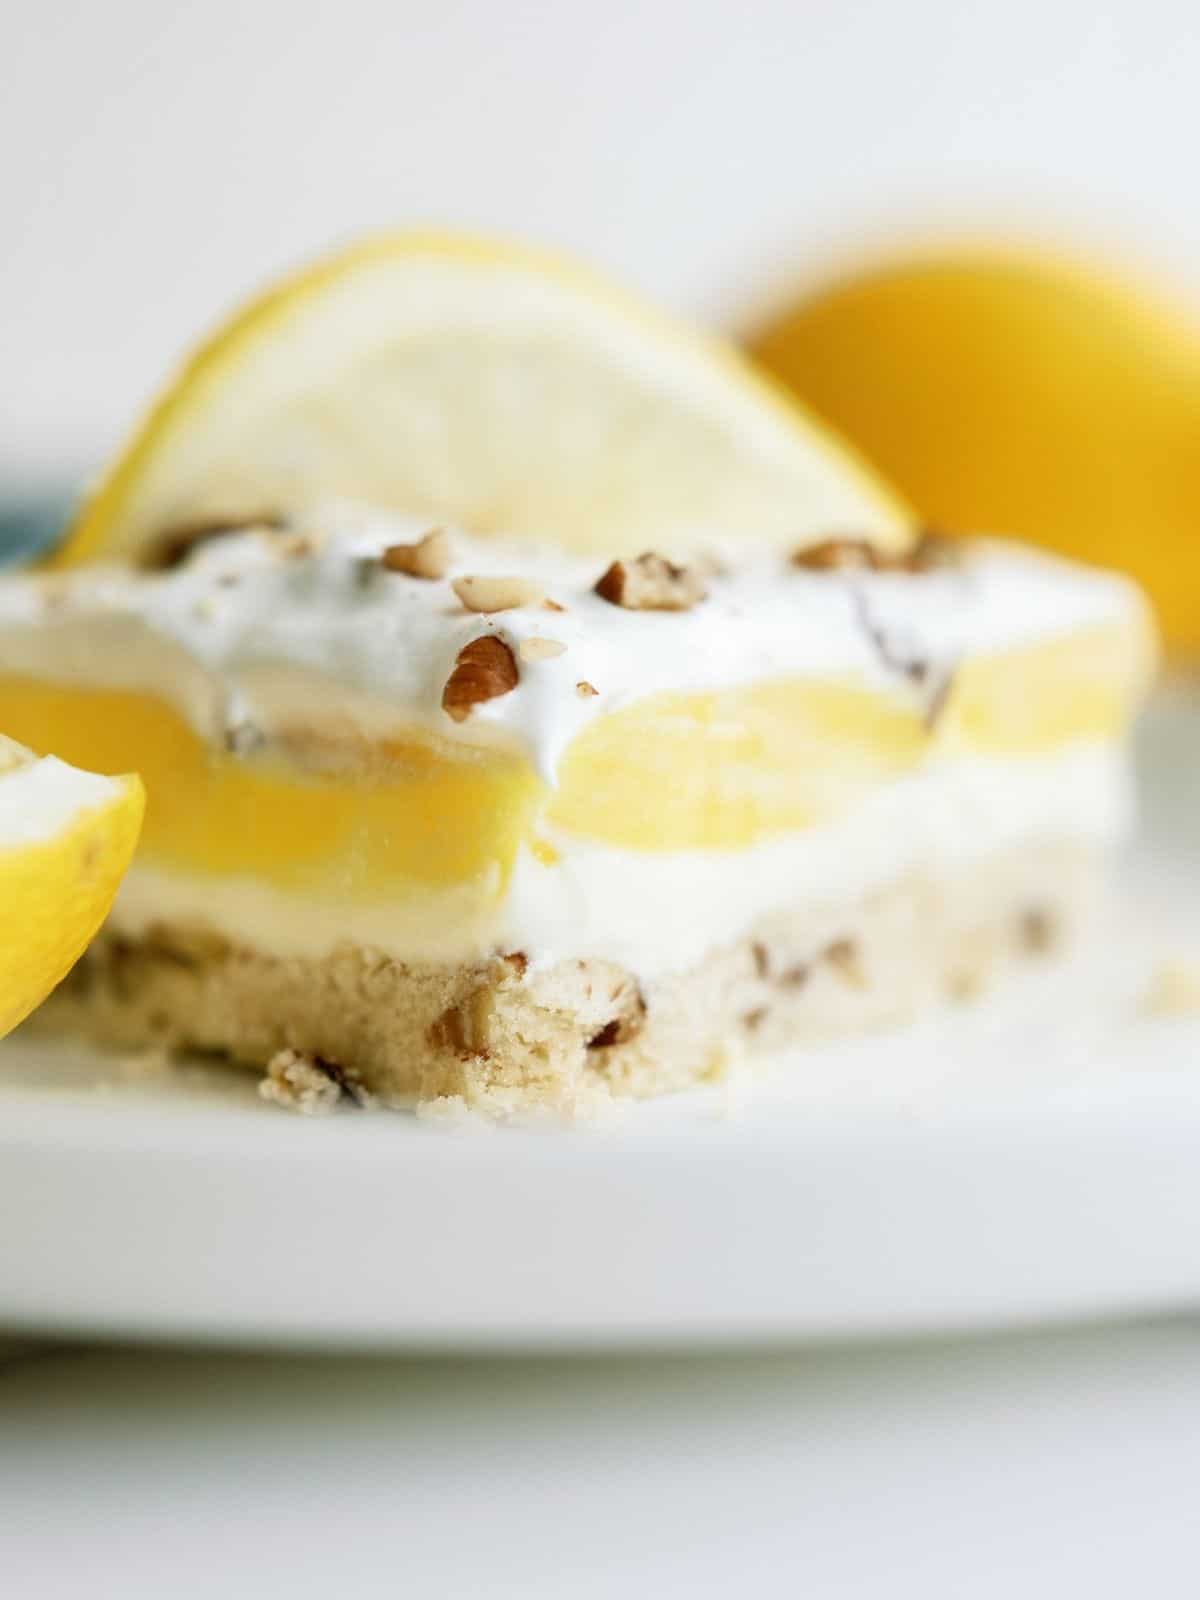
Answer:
(158, 159)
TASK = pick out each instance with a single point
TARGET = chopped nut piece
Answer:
(933, 552)
(485, 669)
(837, 555)
(298, 546)
(753, 1020)
(537, 649)
(553, 605)
(761, 957)
(428, 558)
(628, 1022)
(1039, 930)
(651, 583)
(465, 1029)
(295, 1082)
(585, 690)
(497, 594)
(309, 1084)
(842, 955)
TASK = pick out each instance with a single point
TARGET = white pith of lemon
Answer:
(489, 386)
(66, 838)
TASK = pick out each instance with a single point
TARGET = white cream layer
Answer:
(947, 815)
(249, 630)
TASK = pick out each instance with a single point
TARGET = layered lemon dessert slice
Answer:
(667, 737)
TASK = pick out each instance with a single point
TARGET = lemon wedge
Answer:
(66, 838)
(1008, 390)
(490, 386)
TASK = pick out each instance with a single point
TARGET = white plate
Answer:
(1035, 1158)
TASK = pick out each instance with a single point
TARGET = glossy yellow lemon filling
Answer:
(715, 771)
(423, 814)
(1085, 685)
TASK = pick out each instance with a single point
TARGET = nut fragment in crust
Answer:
(488, 594)
(651, 583)
(628, 1022)
(795, 977)
(1038, 930)
(843, 956)
(485, 669)
(309, 1084)
(538, 649)
(427, 558)
(464, 1030)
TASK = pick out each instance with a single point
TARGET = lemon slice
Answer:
(66, 838)
(476, 383)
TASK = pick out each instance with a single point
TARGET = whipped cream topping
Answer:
(262, 629)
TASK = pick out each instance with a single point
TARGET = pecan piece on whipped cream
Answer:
(497, 594)
(485, 669)
(539, 649)
(931, 552)
(838, 555)
(651, 583)
(427, 558)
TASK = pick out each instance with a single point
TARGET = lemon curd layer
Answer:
(282, 697)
